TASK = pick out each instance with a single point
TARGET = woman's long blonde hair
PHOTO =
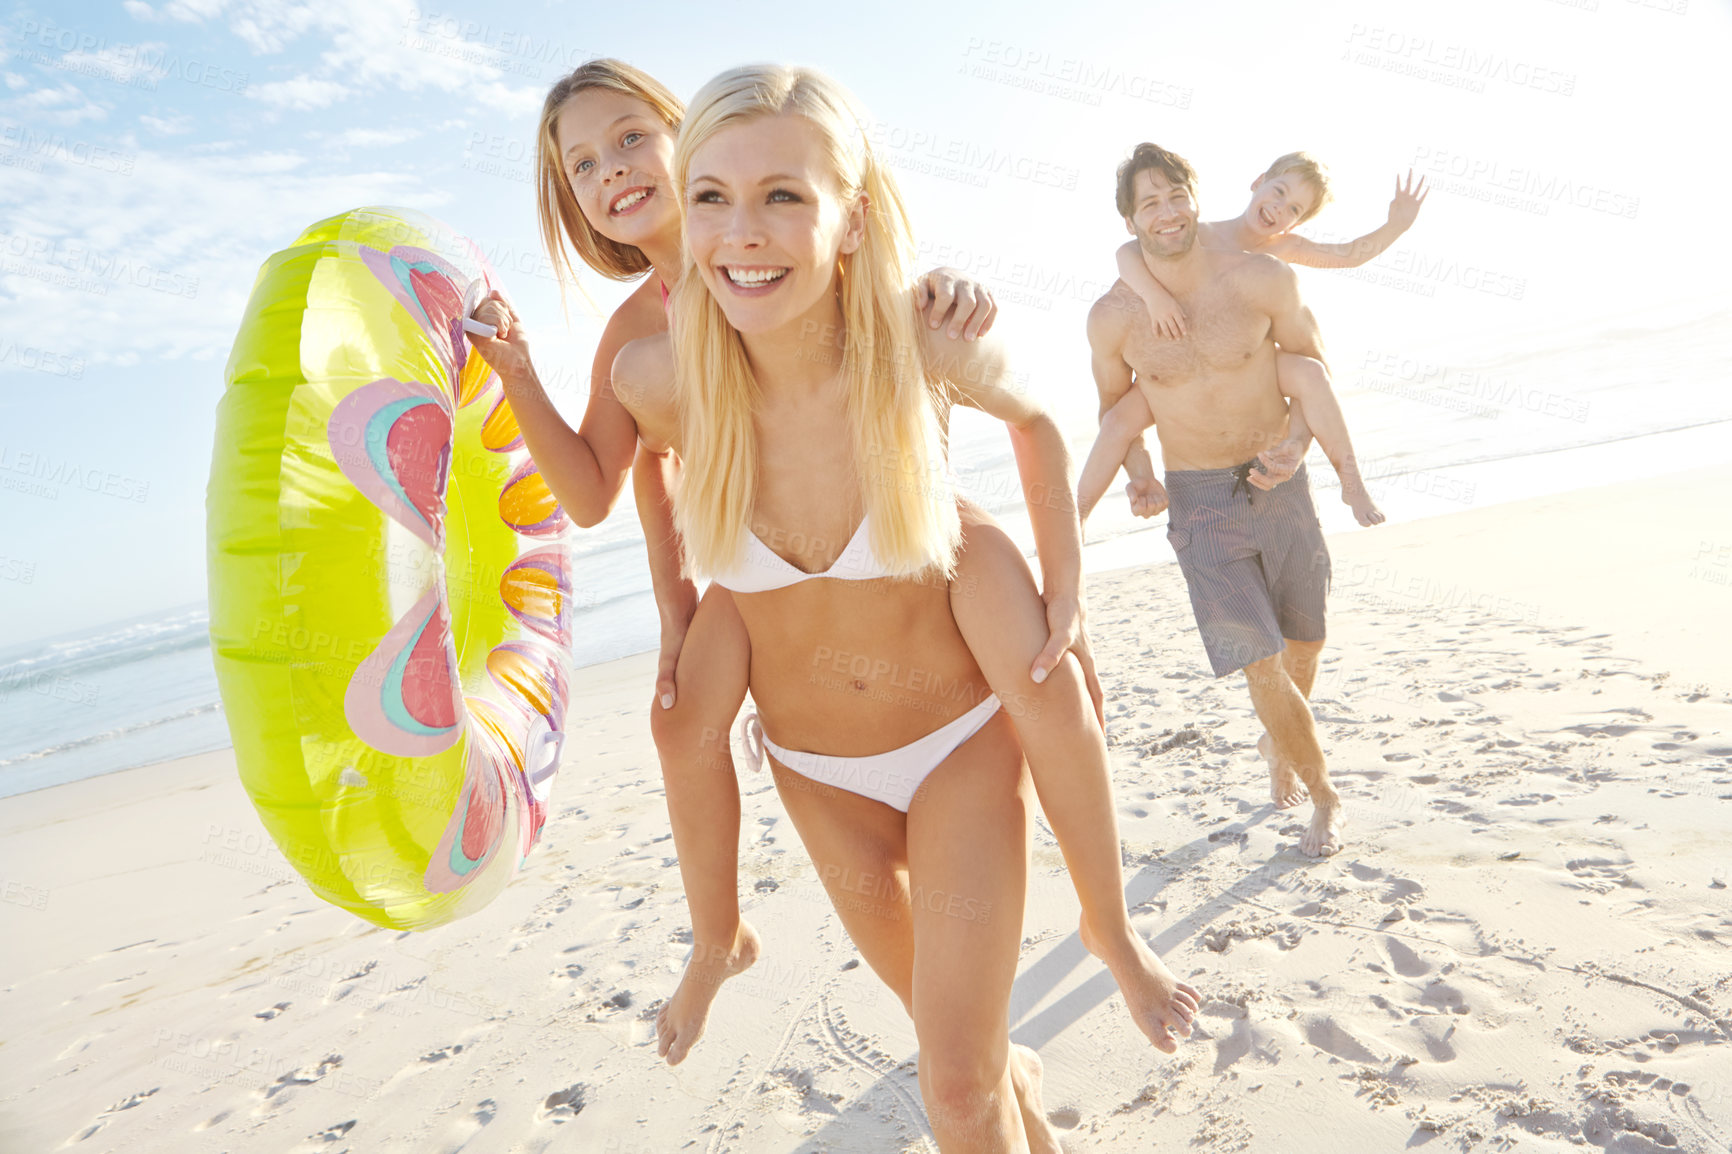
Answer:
(562, 221)
(894, 405)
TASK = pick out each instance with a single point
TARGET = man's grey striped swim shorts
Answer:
(1255, 562)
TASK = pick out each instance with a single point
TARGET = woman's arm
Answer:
(654, 476)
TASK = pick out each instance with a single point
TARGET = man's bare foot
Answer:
(1355, 497)
(1286, 790)
(1322, 837)
(1160, 1004)
(1025, 1077)
(680, 1023)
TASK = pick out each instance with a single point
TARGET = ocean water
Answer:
(1472, 422)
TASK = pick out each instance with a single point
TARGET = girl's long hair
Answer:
(895, 407)
(562, 222)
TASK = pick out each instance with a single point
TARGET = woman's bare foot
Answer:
(680, 1023)
(1286, 790)
(1322, 837)
(1025, 1077)
(1355, 497)
(1160, 1004)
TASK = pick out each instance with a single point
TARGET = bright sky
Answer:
(152, 156)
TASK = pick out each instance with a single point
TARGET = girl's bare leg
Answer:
(1305, 380)
(860, 849)
(1003, 619)
(703, 800)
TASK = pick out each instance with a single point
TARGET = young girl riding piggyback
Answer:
(605, 148)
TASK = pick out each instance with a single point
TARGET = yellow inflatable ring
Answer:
(390, 595)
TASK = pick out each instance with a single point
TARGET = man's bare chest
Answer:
(1222, 335)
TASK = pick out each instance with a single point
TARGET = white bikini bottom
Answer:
(891, 777)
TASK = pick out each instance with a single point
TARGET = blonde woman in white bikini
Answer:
(809, 407)
(810, 412)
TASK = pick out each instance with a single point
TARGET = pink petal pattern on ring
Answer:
(477, 825)
(406, 698)
(430, 287)
(392, 440)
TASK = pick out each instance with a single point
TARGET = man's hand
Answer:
(1066, 633)
(1279, 464)
(974, 312)
(1404, 209)
(1148, 497)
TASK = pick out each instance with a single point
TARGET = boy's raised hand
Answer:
(1404, 209)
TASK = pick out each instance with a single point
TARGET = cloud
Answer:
(373, 137)
(159, 259)
(64, 103)
(129, 64)
(167, 126)
(385, 44)
(302, 94)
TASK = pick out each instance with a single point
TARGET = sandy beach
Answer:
(1524, 946)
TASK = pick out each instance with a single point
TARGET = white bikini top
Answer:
(763, 570)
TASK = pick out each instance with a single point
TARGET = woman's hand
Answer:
(507, 352)
(974, 308)
(676, 620)
(1067, 634)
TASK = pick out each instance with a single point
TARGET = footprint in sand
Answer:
(464, 1129)
(1600, 875)
(1398, 890)
(1436, 1035)
(1332, 1037)
(332, 1133)
(562, 1105)
(305, 1076)
(126, 1103)
(1446, 997)
(1406, 962)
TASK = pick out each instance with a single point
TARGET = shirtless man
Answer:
(1248, 544)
